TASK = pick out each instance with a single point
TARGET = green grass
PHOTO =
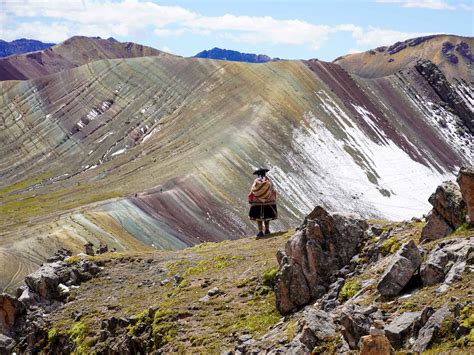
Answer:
(269, 276)
(23, 184)
(349, 289)
(390, 246)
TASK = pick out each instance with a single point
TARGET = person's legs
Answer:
(260, 228)
(267, 227)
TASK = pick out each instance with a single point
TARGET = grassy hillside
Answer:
(165, 296)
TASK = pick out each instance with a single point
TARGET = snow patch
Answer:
(353, 173)
(118, 152)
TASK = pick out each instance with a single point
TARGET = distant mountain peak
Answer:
(22, 45)
(234, 56)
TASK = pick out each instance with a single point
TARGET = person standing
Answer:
(262, 200)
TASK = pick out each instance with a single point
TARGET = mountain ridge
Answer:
(137, 139)
(22, 45)
(71, 53)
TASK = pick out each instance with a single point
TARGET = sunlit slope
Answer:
(453, 54)
(158, 152)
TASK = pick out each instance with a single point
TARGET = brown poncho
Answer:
(262, 192)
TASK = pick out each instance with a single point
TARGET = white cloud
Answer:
(56, 20)
(427, 4)
(376, 37)
(50, 32)
(265, 29)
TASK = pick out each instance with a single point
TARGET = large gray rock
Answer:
(46, 279)
(430, 328)
(466, 183)
(400, 329)
(399, 272)
(447, 261)
(316, 326)
(325, 243)
(355, 324)
(436, 227)
(448, 211)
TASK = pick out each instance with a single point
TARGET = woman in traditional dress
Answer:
(262, 199)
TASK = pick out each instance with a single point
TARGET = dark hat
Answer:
(261, 171)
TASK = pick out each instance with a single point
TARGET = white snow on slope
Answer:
(325, 172)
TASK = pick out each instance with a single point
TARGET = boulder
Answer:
(324, 243)
(466, 182)
(435, 228)
(291, 288)
(430, 328)
(448, 202)
(46, 279)
(316, 326)
(355, 324)
(400, 329)
(448, 258)
(399, 272)
(447, 214)
(10, 310)
(375, 345)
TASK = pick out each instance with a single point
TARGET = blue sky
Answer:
(286, 29)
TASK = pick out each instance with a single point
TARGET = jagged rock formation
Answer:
(465, 180)
(235, 56)
(446, 92)
(22, 45)
(448, 211)
(325, 243)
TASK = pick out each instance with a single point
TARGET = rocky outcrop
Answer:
(466, 183)
(21, 319)
(447, 214)
(10, 309)
(324, 243)
(445, 91)
(50, 282)
(446, 262)
(430, 328)
(400, 271)
(400, 329)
